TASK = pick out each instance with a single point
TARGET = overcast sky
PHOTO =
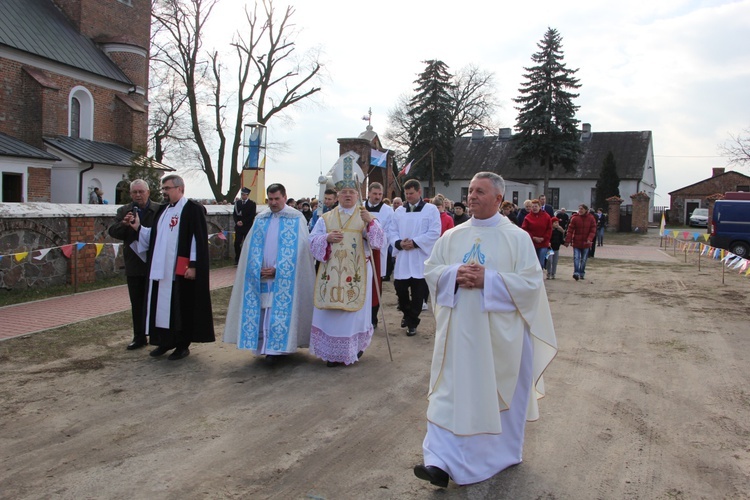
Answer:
(680, 69)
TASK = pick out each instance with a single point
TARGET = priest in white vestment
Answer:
(494, 340)
(342, 318)
(270, 311)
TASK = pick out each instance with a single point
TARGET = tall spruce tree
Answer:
(547, 127)
(431, 132)
(608, 184)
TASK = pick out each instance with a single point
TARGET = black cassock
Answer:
(191, 316)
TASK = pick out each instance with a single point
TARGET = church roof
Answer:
(10, 146)
(38, 27)
(102, 153)
(491, 153)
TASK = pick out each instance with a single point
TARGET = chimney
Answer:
(586, 132)
(717, 171)
(477, 134)
(504, 133)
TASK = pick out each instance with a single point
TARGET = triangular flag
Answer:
(211, 235)
(42, 253)
(685, 234)
(222, 235)
(696, 236)
(99, 247)
(706, 237)
(20, 256)
(116, 248)
(67, 250)
(675, 233)
(80, 245)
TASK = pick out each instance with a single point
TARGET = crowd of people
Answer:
(310, 273)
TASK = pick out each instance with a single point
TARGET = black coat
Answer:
(245, 213)
(191, 313)
(134, 266)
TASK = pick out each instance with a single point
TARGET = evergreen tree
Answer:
(547, 127)
(608, 184)
(431, 132)
(143, 168)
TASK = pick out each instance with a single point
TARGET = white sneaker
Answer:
(424, 306)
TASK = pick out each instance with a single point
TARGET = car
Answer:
(730, 225)
(699, 217)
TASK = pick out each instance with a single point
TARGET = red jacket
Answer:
(581, 230)
(446, 222)
(538, 225)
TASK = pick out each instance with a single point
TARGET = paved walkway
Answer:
(32, 317)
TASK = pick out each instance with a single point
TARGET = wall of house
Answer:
(31, 110)
(698, 193)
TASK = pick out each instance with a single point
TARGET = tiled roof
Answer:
(489, 153)
(10, 146)
(103, 153)
(39, 27)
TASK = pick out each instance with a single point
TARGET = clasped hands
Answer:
(470, 276)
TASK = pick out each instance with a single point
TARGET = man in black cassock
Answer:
(179, 301)
(244, 216)
(135, 268)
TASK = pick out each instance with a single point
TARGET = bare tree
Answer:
(266, 73)
(737, 148)
(475, 97)
(474, 107)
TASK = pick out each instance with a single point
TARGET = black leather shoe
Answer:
(360, 354)
(435, 475)
(331, 364)
(403, 323)
(412, 332)
(136, 344)
(159, 351)
(179, 354)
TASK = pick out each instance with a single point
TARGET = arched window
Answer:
(81, 114)
(75, 118)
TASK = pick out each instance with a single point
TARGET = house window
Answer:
(593, 198)
(515, 198)
(126, 2)
(553, 197)
(81, 114)
(75, 118)
(464, 194)
(743, 188)
(12, 188)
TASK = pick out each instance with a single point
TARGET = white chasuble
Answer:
(480, 332)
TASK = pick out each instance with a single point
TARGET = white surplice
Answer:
(336, 335)
(491, 347)
(163, 261)
(424, 228)
(384, 218)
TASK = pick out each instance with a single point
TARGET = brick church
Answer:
(73, 97)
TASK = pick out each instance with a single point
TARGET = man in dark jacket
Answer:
(244, 216)
(135, 267)
(581, 232)
(178, 310)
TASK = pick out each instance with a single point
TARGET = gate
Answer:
(626, 218)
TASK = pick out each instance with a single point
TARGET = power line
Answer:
(689, 156)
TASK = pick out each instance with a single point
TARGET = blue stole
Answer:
(282, 287)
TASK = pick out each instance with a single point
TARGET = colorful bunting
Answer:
(99, 247)
(67, 250)
(20, 256)
(42, 253)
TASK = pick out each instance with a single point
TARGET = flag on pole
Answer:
(663, 225)
(378, 159)
(406, 169)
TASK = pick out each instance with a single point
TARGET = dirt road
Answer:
(649, 397)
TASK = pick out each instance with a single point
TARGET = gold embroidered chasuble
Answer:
(340, 283)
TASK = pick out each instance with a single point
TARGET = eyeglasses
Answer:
(167, 188)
